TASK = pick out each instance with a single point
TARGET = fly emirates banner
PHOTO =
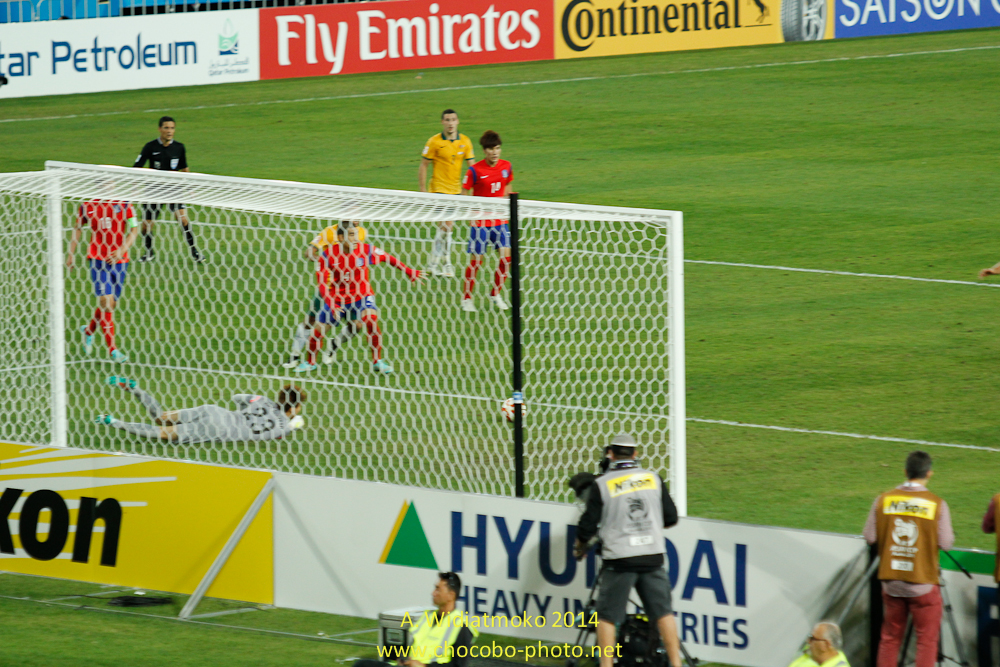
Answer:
(384, 36)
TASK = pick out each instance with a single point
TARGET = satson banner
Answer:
(359, 37)
(131, 521)
(611, 27)
(128, 53)
(866, 18)
(744, 595)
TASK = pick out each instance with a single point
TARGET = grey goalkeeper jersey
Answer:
(257, 418)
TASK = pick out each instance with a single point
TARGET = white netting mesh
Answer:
(595, 330)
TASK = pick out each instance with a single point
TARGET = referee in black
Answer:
(165, 154)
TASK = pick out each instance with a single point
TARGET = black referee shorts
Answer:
(152, 211)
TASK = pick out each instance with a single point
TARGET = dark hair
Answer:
(166, 119)
(918, 464)
(622, 451)
(448, 111)
(290, 396)
(343, 226)
(452, 580)
(489, 139)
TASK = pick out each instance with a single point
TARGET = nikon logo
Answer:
(623, 485)
(583, 23)
(108, 510)
(903, 507)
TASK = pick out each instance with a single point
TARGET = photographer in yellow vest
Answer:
(825, 643)
(441, 638)
(909, 524)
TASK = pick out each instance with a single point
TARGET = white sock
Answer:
(301, 339)
(440, 249)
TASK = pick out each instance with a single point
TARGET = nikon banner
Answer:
(587, 28)
(131, 521)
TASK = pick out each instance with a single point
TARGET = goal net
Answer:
(601, 320)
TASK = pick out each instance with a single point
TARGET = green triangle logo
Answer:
(407, 544)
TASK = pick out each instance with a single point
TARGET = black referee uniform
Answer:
(170, 157)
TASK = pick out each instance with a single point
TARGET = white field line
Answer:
(568, 407)
(843, 273)
(458, 243)
(417, 91)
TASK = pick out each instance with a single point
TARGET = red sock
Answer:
(315, 345)
(470, 275)
(98, 316)
(500, 276)
(108, 326)
(374, 336)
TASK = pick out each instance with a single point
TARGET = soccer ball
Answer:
(508, 409)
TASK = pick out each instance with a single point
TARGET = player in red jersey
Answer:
(488, 178)
(346, 290)
(114, 229)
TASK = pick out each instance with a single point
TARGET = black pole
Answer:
(874, 609)
(515, 325)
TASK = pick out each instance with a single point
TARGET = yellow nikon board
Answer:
(587, 28)
(131, 521)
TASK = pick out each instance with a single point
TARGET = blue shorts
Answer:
(108, 280)
(482, 237)
(352, 310)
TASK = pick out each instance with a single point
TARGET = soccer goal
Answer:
(595, 339)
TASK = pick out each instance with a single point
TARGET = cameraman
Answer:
(627, 508)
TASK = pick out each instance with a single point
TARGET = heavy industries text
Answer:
(582, 23)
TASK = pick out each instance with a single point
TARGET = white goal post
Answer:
(601, 320)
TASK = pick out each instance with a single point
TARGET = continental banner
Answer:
(131, 521)
(586, 28)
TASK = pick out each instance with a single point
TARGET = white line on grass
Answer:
(843, 273)
(574, 408)
(327, 98)
(841, 434)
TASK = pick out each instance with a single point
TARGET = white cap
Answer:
(623, 440)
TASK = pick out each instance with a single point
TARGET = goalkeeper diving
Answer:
(256, 417)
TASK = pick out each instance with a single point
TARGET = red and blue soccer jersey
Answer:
(109, 221)
(487, 181)
(343, 277)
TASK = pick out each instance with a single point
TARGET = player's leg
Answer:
(500, 239)
(475, 249)
(369, 319)
(303, 331)
(108, 285)
(324, 320)
(87, 330)
(180, 211)
(438, 260)
(148, 401)
(150, 211)
(347, 332)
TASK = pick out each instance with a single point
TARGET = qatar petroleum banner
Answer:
(866, 18)
(744, 595)
(587, 28)
(131, 521)
(128, 53)
(346, 38)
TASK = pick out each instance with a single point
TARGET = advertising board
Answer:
(358, 37)
(128, 53)
(131, 521)
(868, 18)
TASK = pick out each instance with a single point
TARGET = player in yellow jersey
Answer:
(445, 153)
(304, 329)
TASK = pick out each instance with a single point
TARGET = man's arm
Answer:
(670, 517)
(946, 534)
(182, 165)
(422, 173)
(378, 256)
(870, 533)
(586, 527)
(989, 519)
(143, 156)
(73, 242)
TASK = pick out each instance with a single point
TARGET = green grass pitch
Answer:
(863, 165)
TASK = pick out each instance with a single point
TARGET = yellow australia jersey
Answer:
(447, 155)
